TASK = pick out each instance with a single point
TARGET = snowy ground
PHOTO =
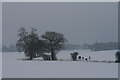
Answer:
(14, 67)
(0, 65)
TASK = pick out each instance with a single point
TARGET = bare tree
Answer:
(27, 42)
(54, 42)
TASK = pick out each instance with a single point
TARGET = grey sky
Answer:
(0, 24)
(79, 22)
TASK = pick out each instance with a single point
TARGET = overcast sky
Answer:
(0, 24)
(79, 22)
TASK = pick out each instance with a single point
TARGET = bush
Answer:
(74, 56)
(117, 57)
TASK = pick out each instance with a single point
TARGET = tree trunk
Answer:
(53, 55)
(31, 56)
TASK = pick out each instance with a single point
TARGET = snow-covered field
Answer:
(0, 65)
(14, 67)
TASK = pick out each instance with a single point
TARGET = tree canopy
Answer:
(54, 42)
(33, 46)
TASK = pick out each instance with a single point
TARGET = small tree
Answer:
(54, 42)
(118, 57)
(74, 56)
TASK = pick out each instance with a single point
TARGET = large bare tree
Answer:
(27, 42)
(54, 42)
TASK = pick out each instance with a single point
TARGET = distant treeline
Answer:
(12, 48)
(72, 47)
(99, 46)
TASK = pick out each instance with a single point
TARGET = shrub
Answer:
(117, 57)
(74, 56)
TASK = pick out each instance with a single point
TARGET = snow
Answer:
(14, 67)
(0, 66)
(96, 55)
